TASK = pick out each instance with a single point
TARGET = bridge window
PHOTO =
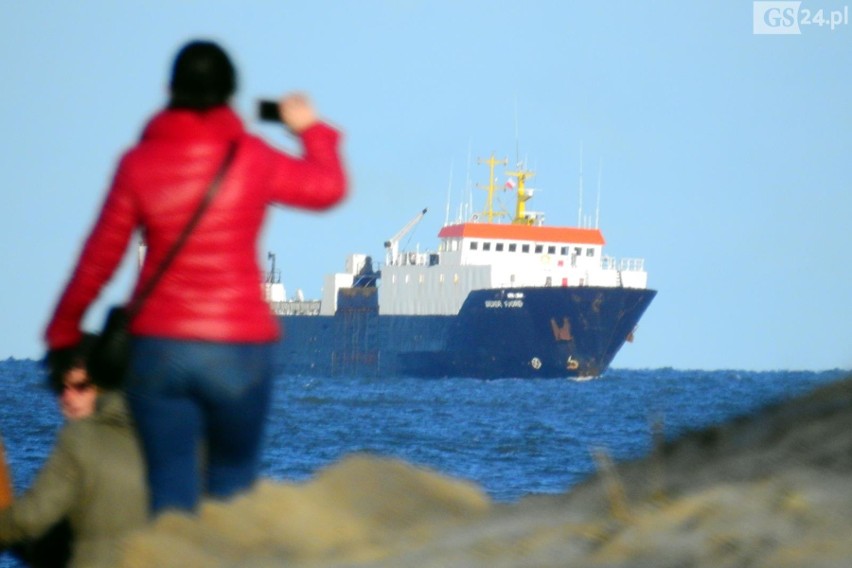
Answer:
(474, 245)
(513, 247)
(590, 252)
(539, 249)
(498, 247)
(486, 246)
(551, 250)
(525, 248)
(564, 251)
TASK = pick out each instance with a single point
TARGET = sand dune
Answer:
(772, 490)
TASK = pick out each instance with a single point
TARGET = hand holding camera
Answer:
(295, 111)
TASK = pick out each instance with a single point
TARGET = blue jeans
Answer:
(200, 409)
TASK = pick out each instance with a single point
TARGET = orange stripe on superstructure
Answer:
(523, 233)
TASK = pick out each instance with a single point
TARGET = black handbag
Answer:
(110, 355)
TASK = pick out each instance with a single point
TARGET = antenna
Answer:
(580, 210)
(449, 187)
(517, 136)
(467, 187)
(598, 204)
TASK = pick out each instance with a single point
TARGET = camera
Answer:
(268, 111)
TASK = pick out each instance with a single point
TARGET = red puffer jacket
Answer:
(212, 291)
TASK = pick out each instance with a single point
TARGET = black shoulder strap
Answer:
(136, 305)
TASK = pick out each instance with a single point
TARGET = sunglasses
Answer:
(76, 387)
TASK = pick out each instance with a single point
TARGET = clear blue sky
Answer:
(726, 155)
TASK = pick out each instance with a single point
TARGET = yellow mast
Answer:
(522, 197)
(489, 206)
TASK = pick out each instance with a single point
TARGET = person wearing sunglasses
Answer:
(77, 395)
(91, 491)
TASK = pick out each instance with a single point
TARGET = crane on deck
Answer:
(392, 244)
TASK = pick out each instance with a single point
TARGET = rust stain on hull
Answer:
(561, 332)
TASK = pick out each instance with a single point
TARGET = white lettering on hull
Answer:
(497, 304)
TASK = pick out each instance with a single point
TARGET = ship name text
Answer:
(504, 303)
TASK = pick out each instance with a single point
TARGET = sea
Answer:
(512, 437)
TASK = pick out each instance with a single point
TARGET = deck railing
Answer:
(623, 264)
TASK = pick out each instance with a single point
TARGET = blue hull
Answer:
(512, 332)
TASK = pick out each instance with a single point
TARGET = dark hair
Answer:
(59, 361)
(202, 77)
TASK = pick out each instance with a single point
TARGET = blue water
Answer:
(512, 437)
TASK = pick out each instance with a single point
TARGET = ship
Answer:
(503, 295)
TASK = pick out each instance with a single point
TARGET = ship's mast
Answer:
(489, 205)
(522, 197)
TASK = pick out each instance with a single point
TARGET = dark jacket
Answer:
(95, 478)
(212, 291)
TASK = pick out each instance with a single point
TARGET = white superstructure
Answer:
(483, 254)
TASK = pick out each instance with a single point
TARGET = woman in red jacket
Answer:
(200, 373)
